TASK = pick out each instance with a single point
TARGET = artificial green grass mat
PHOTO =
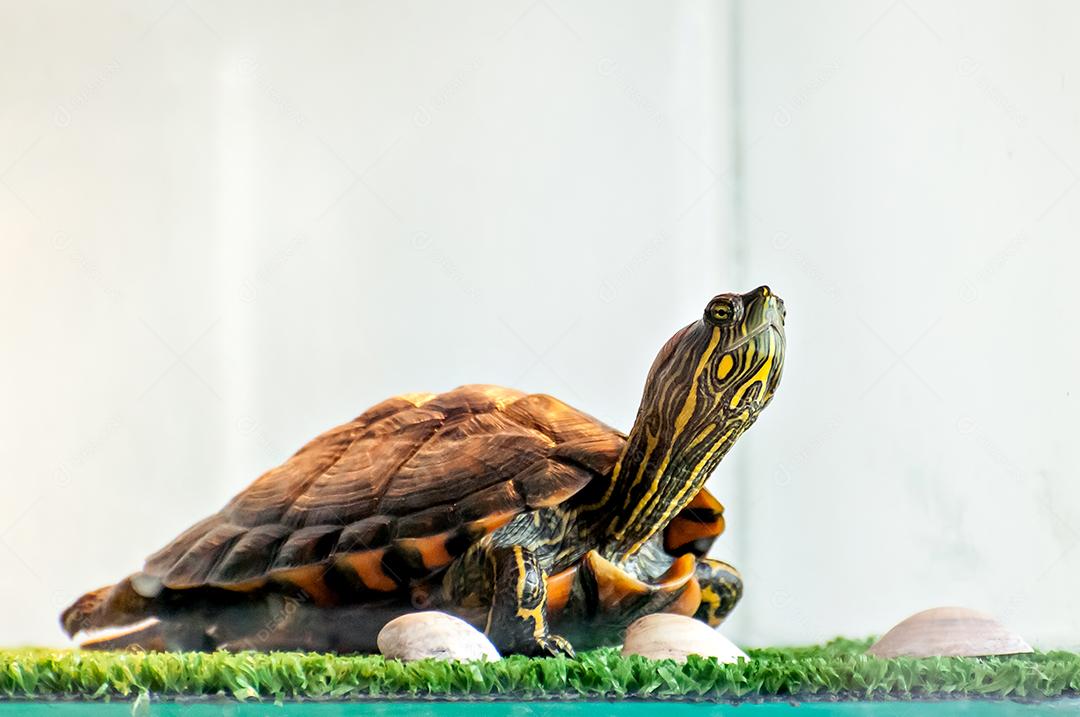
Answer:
(838, 669)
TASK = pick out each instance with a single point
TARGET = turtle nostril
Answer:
(762, 293)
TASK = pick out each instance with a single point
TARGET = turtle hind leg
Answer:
(517, 621)
(116, 605)
(721, 587)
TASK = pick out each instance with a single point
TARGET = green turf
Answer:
(838, 669)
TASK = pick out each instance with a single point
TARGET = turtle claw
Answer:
(554, 646)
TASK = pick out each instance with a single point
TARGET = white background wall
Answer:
(911, 189)
(227, 227)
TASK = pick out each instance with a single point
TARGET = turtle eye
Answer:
(720, 311)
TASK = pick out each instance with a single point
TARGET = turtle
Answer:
(535, 522)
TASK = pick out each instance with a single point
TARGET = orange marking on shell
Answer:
(558, 589)
(368, 565)
(492, 523)
(246, 586)
(432, 550)
(310, 579)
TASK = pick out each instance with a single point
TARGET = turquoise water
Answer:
(976, 708)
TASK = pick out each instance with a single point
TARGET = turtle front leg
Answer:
(721, 587)
(517, 621)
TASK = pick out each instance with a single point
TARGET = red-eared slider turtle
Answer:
(517, 512)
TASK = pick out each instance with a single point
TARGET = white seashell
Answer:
(422, 635)
(949, 632)
(674, 637)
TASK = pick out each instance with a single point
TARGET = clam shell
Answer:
(675, 637)
(949, 632)
(423, 635)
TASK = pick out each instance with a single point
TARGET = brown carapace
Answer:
(534, 521)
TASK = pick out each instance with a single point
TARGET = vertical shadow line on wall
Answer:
(738, 241)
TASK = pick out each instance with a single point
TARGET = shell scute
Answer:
(427, 522)
(550, 482)
(274, 492)
(397, 492)
(197, 563)
(251, 556)
(597, 452)
(306, 546)
(474, 399)
(367, 534)
(468, 454)
(558, 420)
(502, 498)
(163, 560)
(352, 488)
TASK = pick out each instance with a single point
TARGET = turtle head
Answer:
(707, 385)
(745, 366)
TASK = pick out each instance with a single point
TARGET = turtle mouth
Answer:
(776, 323)
(765, 310)
(771, 319)
(773, 322)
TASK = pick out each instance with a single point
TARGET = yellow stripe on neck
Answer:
(726, 364)
(689, 404)
(761, 376)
